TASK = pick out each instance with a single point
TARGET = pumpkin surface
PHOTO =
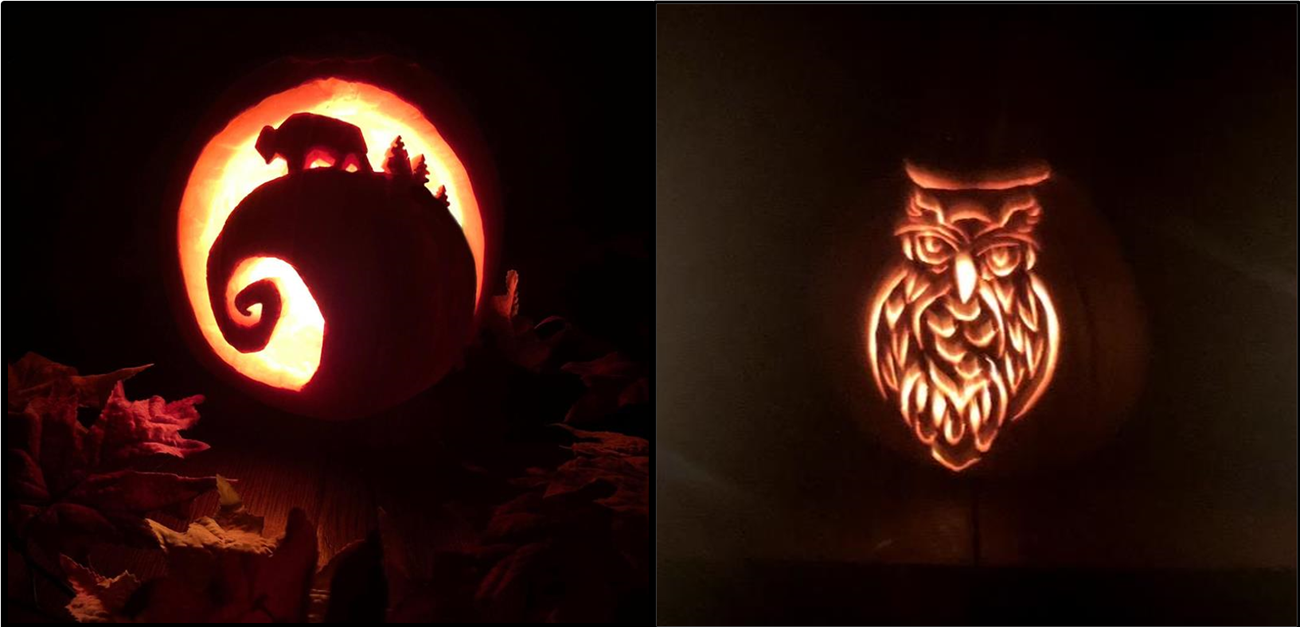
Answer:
(383, 261)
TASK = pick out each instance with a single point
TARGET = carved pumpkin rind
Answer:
(962, 336)
(389, 270)
(361, 375)
(1103, 352)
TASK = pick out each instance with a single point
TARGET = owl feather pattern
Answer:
(962, 335)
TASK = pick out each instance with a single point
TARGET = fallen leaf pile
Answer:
(569, 543)
(573, 547)
(578, 540)
(555, 348)
(68, 485)
(220, 569)
(613, 382)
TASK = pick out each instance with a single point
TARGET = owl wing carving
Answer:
(958, 370)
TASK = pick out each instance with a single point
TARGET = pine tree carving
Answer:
(421, 171)
(398, 164)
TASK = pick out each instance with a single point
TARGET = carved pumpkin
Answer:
(962, 334)
(999, 328)
(332, 242)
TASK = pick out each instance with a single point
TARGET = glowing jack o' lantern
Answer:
(332, 288)
(962, 335)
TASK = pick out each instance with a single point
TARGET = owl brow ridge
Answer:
(1029, 204)
(917, 208)
(947, 233)
(984, 242)
(919, 202)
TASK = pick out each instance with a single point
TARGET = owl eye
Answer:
(1001, 260)
(933, 250)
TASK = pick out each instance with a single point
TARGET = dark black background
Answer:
(777, 125)
(99, 104)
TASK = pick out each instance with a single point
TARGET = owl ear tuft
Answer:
(925, 205)
(1021, 213)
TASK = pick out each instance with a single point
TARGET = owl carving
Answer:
(962, 335)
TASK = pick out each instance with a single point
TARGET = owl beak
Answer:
(964, 268)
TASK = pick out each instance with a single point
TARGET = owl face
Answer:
(973, 237)
(962, 335)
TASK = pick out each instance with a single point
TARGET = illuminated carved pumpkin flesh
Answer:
(962, 335)
(336, 277)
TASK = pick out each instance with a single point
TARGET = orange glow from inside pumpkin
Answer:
(962, 336)
(295, 344)
(1028, 174)
(229, 168)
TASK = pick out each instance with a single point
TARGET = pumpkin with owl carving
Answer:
(985, 331)
(963, 335)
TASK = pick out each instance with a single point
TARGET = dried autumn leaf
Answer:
(352, 587)
(439, 588)
(108, 507)
(613, 382)
(429, 579)
(572, 547)
(34, 376)
(124, 496)
(220, 569)
(98, 599)
(224, 570)
(561, 563)
(130, 429)
(516, 337)
(576, 542)
(26, 482)
(64, 527)
(506, 306)
(56, 442)
(620, 460)
(68, 484)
